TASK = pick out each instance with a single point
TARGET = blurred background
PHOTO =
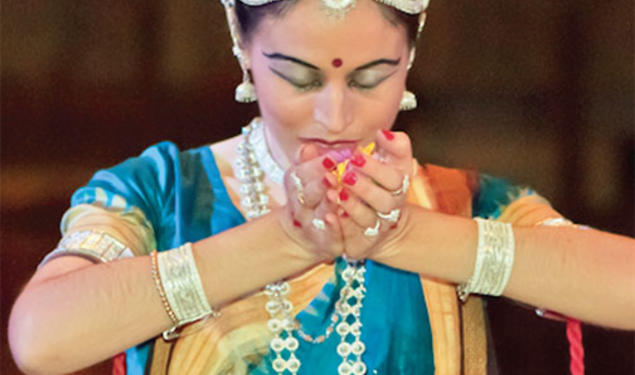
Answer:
(540, 92)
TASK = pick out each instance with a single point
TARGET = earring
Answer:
(245, 92)
(408, 101)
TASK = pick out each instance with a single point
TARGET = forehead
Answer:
(308, 30)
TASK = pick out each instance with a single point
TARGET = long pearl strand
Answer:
(254, 158)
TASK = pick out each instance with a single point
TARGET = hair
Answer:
(249, 17)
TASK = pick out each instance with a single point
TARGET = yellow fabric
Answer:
(448, 190)
(130, 228)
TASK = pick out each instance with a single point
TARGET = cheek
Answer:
(380, 111)
(278, 101)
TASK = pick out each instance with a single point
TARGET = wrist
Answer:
(294, 244)
(398, 240)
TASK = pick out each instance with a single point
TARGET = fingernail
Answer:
(344, 214)
(358, 160)
(394, 226)
(343, 195)
(328, 163)
(350, 178)
(326, 182)
(297, 223)
(388, 134)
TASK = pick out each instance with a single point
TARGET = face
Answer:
(328, 81)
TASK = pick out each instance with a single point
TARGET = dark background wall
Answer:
(537, 91)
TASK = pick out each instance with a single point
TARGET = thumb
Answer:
(307, 152)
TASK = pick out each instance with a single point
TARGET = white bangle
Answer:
(96, 246)
(494, 260)
(182, 287)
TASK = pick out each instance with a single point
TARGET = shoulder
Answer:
(488, 195)
(146, 180)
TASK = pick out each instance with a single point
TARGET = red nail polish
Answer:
(328, 163)
(326, 182)
(358, 160)
(350, 178)
(344, 214)
(343, 195)
(388, 134)
(394, 226)
(297, 223)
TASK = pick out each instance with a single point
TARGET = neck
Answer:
(274, 149)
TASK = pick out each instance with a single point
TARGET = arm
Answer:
(72, 306)
(586, 274)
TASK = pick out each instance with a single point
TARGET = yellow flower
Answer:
(341, 167)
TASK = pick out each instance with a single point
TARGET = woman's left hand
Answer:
(372, 197)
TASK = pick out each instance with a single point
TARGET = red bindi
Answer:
(337, 63)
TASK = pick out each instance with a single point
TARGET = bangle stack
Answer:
(179, 285)
(494, 260)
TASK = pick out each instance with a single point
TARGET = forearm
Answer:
(586, 274)
(100, 310)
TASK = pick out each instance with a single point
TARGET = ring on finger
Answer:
(318, 224)
(405, 183)
(391, 217)
(298, 187)
(372, 231)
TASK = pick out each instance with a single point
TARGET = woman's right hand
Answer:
(309, 218)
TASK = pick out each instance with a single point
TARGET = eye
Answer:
(316, 83)
(365, 80)
(358, 85)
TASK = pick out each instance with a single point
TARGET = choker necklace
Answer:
(258, 142)
(254, 158)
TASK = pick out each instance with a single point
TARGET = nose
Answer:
(334, 108)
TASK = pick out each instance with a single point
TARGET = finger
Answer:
(326, 211)
(395, 146)
(307, 152)
(314, 193)
(386, 175)
(356, 211)
(373, 195)
(315, 169)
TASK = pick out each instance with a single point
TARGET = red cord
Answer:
(119, 364)
(576, 349)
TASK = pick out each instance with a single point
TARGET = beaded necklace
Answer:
(254, 163)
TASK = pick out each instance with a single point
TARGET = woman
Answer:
(328, 93)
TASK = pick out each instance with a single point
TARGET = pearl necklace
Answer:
(248, 168)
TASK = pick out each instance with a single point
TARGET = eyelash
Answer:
(317, 84)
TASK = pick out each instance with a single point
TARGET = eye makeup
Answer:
(305, 76)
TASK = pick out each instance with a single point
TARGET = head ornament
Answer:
(406, 6)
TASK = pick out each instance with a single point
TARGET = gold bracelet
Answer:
(159, 287)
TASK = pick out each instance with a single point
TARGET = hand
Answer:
(310, 219)
(369, 189)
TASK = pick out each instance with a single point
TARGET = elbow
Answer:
(27, 349)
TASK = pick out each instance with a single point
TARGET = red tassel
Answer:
(119, 364)
(576, 349)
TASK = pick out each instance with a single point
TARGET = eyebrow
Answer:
(378, 62)
(280, 56)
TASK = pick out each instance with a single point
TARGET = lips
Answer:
(338, 150)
